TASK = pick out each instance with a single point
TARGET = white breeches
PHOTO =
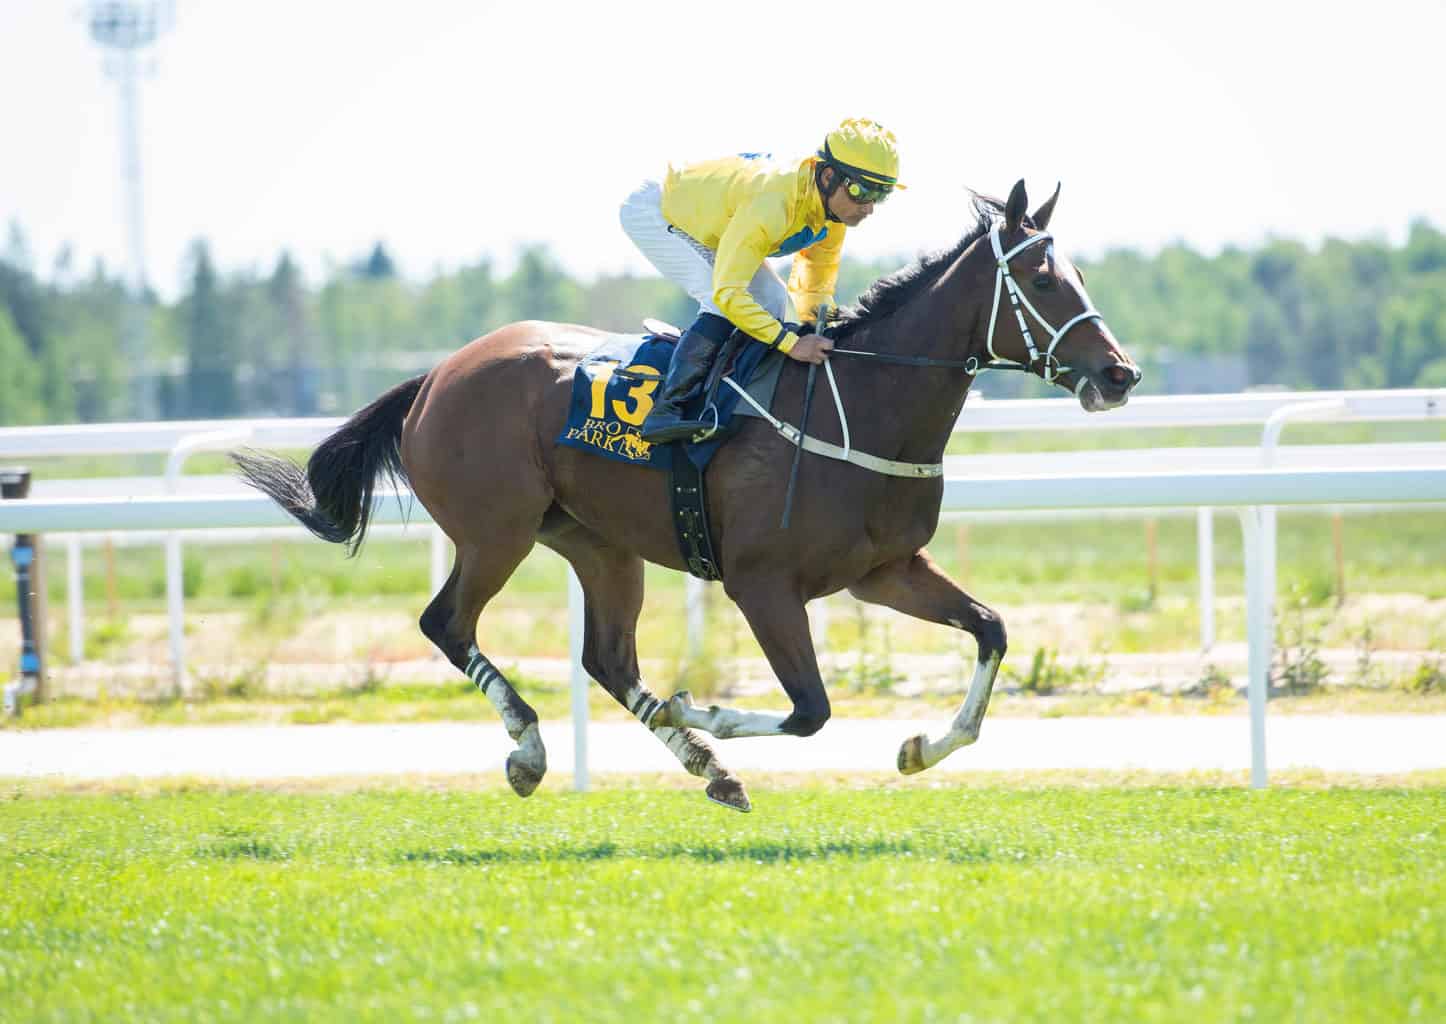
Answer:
(685, 262)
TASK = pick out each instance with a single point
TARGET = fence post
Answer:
(440, 569)
(579, 681)
(1339, 541)
(1258, 633)
(1205, 559)
(176, 612)
(1152, 558)
(693, 594)
(15, 484)
(75, 597)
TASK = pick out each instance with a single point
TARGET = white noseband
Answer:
(1004, 280)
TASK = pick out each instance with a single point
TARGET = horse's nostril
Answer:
(1121, 376)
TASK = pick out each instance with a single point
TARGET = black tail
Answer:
(333, 496)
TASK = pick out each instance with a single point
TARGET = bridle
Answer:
(1050, 369)
(1050, 366)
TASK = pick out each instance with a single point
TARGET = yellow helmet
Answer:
(865, 150)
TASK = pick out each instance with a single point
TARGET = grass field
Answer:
(994, 900)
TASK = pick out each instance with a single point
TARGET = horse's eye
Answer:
(1043, 282)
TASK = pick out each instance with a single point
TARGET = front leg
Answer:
(917, 586)
(775, 612)
(919, 751)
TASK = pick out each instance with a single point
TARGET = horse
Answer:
(475, 440)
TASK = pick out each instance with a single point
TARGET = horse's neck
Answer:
(924, 402)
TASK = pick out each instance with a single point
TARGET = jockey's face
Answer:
(851, 213)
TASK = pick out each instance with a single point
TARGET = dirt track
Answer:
(1336, 743)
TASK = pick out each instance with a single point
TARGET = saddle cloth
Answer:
(615, 385)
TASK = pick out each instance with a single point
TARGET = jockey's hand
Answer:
(811, 348)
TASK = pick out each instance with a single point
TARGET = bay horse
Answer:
(475, 438)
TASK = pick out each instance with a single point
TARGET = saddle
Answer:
(721, 366)
(612, 392)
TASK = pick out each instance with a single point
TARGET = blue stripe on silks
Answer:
(799, 240)
(29, 663)
(22, 556)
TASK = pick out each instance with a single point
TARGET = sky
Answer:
(456, 129)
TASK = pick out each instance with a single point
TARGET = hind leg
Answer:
(612, 586)
(450, 622)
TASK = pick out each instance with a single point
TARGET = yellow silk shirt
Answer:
(746, 209)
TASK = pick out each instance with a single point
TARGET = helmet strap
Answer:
(827, 193)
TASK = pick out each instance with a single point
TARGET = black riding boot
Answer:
(692, 359)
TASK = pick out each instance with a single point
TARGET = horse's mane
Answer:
(886, 295)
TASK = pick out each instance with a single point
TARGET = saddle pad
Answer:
(614, 388)
(612, 393)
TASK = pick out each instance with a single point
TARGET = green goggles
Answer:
(862, 192)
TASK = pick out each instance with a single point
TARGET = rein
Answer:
(808, 443)
(889, 357)
(1050, 369)
(798, 451)
(1004, 281)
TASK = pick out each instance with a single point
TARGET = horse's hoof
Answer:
(911, 756)
(729, 792)
(523, 778)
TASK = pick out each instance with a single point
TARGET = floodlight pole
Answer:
(124, 28)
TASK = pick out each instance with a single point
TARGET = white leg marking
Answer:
(498, 691)
(530, 751)
(528, 764)
(695, 755)
(690, 749)
(642, 704)
(964, 729)
(724, 723)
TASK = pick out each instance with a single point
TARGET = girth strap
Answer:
(690, 515)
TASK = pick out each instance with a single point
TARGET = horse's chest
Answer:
(902, 522)
(844, 522)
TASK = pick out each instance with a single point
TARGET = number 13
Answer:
(640, 394)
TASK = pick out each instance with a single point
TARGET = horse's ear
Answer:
(1014, 210)
(1042, 215)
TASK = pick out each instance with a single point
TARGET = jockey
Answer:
(710, 228)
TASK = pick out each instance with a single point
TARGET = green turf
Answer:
(906, 903)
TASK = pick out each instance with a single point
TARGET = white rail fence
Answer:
(978, 469)
(1247, 490)
(1176, 478)
(180, 439)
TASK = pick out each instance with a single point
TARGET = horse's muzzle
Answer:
(1108, 388)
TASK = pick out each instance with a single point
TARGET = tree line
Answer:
(75, 347)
